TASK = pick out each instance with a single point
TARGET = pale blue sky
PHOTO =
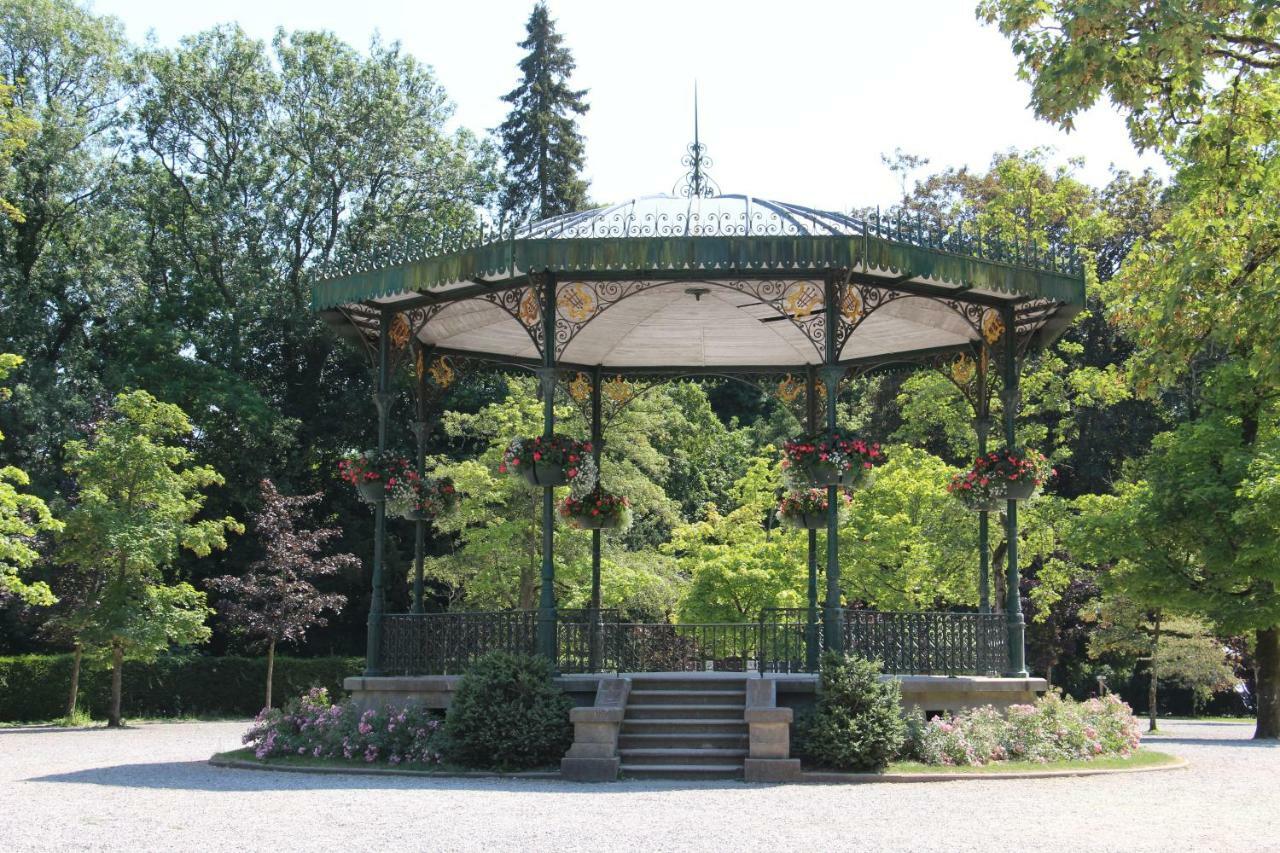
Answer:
(798, 97)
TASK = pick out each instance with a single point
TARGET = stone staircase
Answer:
(689, 727)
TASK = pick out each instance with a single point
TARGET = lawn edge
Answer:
(823, 777)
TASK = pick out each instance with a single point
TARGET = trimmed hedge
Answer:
(34, 687)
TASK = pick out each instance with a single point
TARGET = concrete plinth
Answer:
(771, 770)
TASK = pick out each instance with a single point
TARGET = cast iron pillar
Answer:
(982, 426)
(377, 600)
(811, 644)
(597, 438)
(547, 380)
(1013, 594)
(421, 430)
(832, 373)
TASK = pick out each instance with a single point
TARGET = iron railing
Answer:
(905, 643)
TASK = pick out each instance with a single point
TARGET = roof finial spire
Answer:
(697, 183)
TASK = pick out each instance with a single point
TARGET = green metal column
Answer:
(597, 438)
(811, 644)
(982, 425)
(547, 377)
(421, 430)
(1013, 595)
(831, 375)
(377, 601)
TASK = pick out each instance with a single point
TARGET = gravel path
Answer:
(149, 788)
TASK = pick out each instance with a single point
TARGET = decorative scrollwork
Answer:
(992, 326)
(524, 305)
(858, 302)
(580, 388)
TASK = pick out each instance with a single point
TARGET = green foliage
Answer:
(22, 517)
(857, 724)
(34, 687)
(139, 492)
(508, 715)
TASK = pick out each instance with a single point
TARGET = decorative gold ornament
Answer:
(802, 300)
(618, 390)
(399, 331)
(992, 326)
(442, 373)
(580, 387)
(790, 389)
(420, 366)
(576, 302)
(530, 309)
(963, 369)
(851, 305)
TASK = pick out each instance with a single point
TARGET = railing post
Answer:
(1013, 593)
(547, 378)
(377, 600)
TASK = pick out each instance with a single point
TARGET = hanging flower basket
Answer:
(830, 459)
(556, 461)
(807, 508)
(597, 510)
(999, 476)
(417, 498)
(372, 472)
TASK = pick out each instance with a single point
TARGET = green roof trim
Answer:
(789, 255)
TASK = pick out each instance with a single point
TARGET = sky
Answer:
(798, 99)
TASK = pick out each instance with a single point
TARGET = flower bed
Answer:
(807, 508)
(1000, 476)
(314, 727)
(373, 472)
(597, 510)
(1053, 729)
(551, 461)
(418, 498)
(830, 460)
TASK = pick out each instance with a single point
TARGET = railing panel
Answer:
(906, 643)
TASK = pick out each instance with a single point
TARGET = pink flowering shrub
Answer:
(1053, 729)
(312, 726)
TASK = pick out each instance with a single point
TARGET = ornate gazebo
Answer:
(709, 286)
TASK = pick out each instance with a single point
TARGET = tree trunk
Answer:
(117, 668)
(1154, 685)
(271, 667)
(1267, 675)
(74, 693)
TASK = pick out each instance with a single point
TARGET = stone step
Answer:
(689, 757)
(685, 712)
(683, 740)
(687, 697)
(690, 681)
(681, 771)
(684, 725)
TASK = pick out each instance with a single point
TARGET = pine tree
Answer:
(540, 139)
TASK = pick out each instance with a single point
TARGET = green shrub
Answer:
(508, 715)
(857, 723)
(34, 687)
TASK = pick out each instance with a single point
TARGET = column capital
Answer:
(832, 374)
(382, 400)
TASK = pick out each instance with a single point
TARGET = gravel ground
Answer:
(149, 788)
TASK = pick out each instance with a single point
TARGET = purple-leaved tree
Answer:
(275, 601)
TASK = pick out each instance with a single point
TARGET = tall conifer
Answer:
(540, 138)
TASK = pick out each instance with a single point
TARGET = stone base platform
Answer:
(930, 693)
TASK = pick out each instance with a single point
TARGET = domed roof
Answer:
(716, 216)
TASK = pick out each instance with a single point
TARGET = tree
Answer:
(139, 493)
(1178, 650)
(1197, 81)
(22, 517)
(540, 139)
(275, 601)
(16, 130)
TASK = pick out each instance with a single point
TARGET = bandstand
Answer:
(708, 285)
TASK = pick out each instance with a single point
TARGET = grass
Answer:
(1142, 758)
